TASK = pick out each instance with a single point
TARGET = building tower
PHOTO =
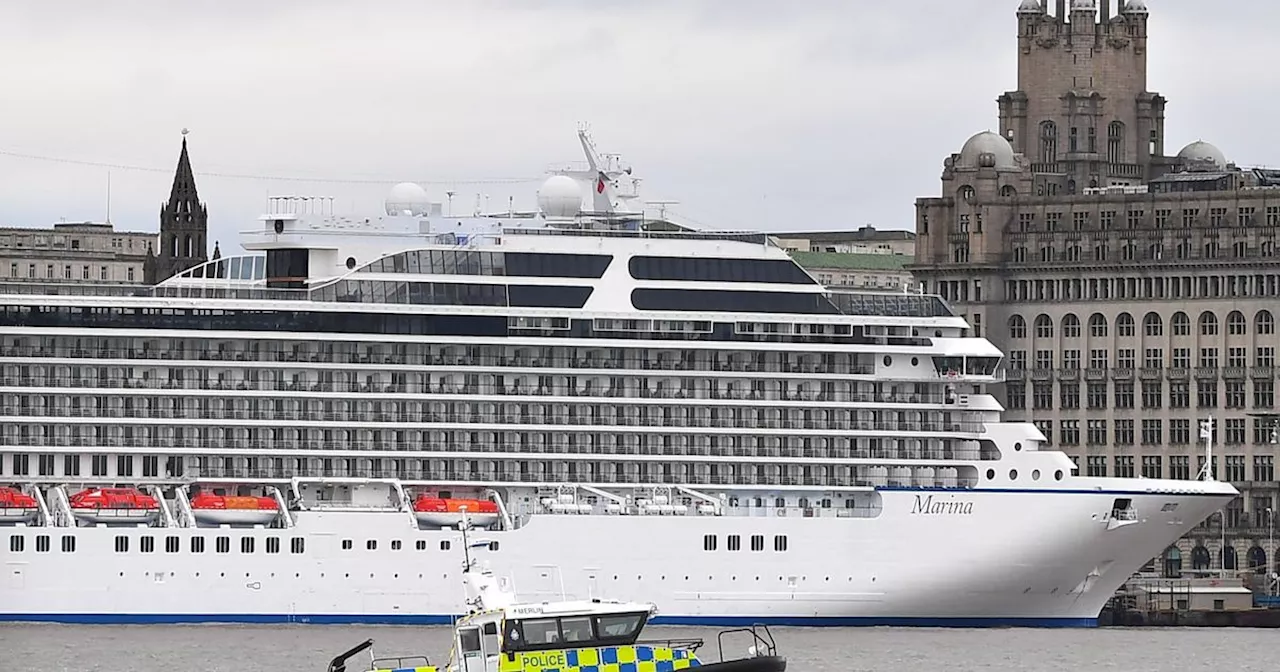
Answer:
(1082, 113)
(184, 226)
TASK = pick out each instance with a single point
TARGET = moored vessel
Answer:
(17, 506)
(114, 506)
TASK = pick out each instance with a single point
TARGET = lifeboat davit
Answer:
(442, 511)
(17, 506)
(114, 506)
(234, 510)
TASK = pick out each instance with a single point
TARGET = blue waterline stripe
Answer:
(441, 619)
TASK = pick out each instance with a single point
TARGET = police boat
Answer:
(502, 634)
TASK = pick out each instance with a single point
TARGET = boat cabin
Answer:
(543, 636)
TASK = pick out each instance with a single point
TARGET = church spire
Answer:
(184, 180)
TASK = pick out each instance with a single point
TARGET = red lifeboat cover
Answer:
(112, 498)
(11, 498)
(428, 504)
(233, 503)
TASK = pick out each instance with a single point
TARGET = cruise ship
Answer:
(634, 409)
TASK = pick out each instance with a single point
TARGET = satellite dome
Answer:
(407, 198)
(987, 150)
(560, 196)
(1205, 152)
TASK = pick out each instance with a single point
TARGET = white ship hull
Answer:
(994, 557)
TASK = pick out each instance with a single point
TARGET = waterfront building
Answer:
(1134, 291)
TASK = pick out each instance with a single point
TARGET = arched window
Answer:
(1181, 324)
(1200, 558)
(1236, 325)
(1017, 327)
(1008, 191)
(1124, 325)
(1208, 324)
(1044, 326)
(1048, 142)
(1228, 557)
(1098, 325)
(1256, 559)
(1115, 142)
(967, 194)
(1263, 323)
(1070, 326)
(1152, 325)
(1172, 563)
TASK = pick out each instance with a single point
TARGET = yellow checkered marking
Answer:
(603, 659)
(407, 669)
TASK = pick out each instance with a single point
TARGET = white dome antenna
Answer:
(560, 196)
(408, 199)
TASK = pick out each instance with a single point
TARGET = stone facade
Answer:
(1134, 294)
(73, 252)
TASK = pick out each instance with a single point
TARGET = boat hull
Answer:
(1000, 557)
(107, 516)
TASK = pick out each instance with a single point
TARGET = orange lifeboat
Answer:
(17, 506)
(114, 506)
(447, 511)
(234, 510)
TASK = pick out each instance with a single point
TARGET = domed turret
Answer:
(1030, 7)
(407, 198)
(1203, 152)
(987, 150)
(1135, 7)
(1086, 5)
(560, 196)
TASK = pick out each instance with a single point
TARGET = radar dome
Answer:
(560, 196)
(407, 198)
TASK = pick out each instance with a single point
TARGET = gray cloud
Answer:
(750, 113)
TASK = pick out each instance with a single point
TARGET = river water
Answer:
(308, 648)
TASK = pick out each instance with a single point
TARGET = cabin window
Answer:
(122, 544)
(297, 545)
(222, 545)
(420, 545)
(273, 544)
(246, 544)
(757, 542)
(541, 631)
(576, 629)
(371, 545)
(491, 637)
(395, 544)
(42, 543)
(147, 544)
(709, 542)
(347, 545)
(197, 544)
(68, 544)
(470, 639)
(172, 544)
(735, 542)
(780, 542)
(444, 545)
(16, 543)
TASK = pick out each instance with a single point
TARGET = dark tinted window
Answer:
(287, 269)
(516, 264)
(725, 301)
(777, 271)
(548, 296)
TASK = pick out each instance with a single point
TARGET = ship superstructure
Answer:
(293, 433)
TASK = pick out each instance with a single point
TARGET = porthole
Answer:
(888, 361)
(1035, 474)
(1017, 446)
(1057, 475)
(991, 474)
(1013, 474)
(351, 263)
(915, 361)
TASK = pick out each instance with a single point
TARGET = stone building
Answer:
(857, 270)
(863, 240)
(1134, 293)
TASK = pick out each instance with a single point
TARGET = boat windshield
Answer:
(532, 634)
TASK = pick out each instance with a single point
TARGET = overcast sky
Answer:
(750, 113)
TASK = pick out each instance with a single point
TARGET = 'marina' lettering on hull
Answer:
(926, 505)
